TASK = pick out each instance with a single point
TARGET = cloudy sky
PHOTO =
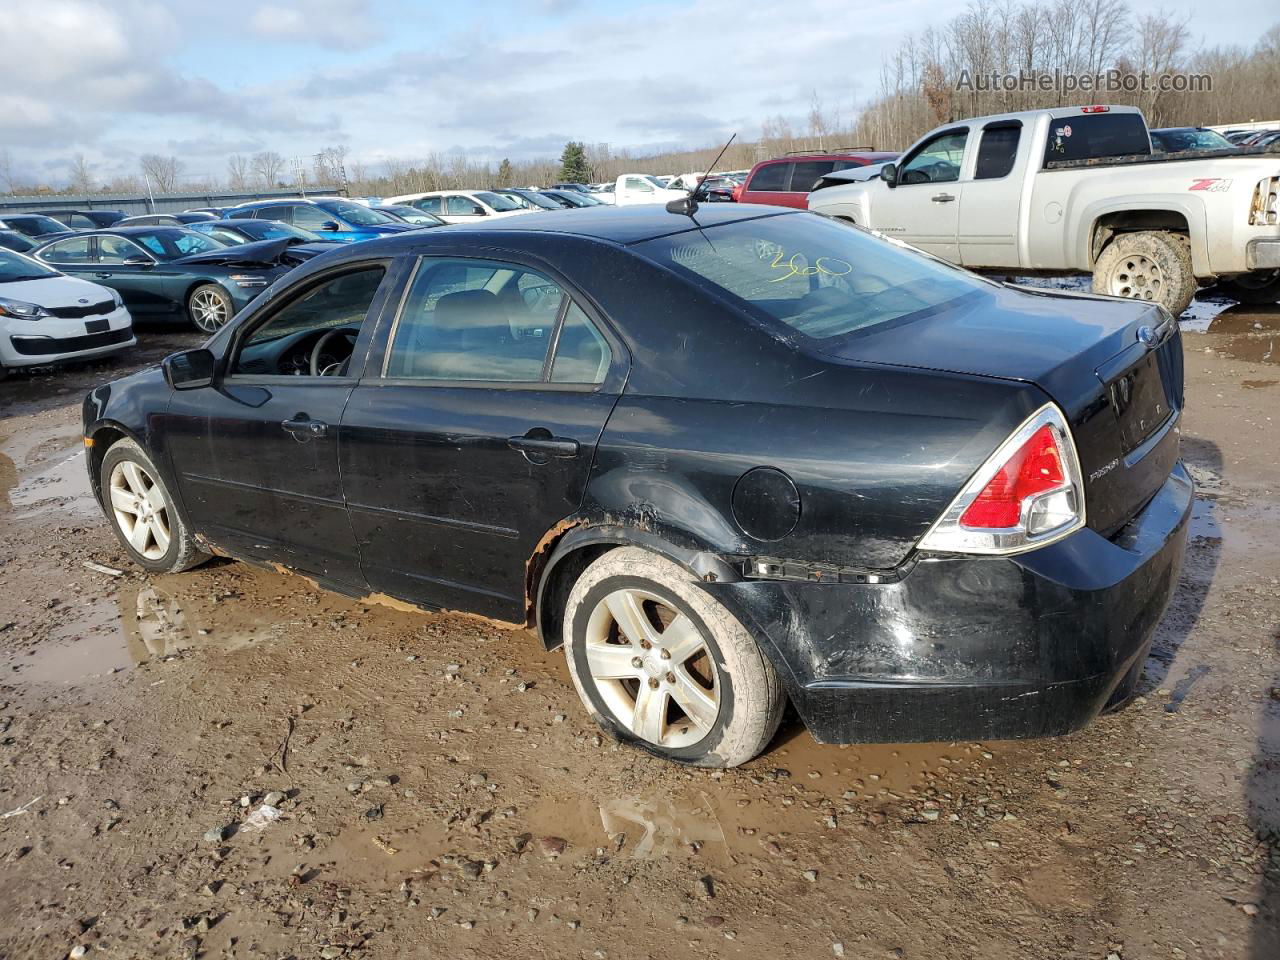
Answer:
(113, 79)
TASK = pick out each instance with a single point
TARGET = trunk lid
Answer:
(1113, 366)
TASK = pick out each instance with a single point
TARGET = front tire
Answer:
(143, 514)
(1149, 265)
(662, 665)
(209, 307)
(1257, 289)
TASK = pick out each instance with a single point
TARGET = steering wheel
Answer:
(333, 367)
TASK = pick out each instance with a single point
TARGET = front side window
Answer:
(429, 204)
(338, 305)
(462, 207)
(938, 161)
(813, 276)
(997, 152)
(310, 218)
(75, 250)
(117, 250)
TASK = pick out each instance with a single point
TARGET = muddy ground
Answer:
(445, 795)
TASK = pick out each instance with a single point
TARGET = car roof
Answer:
(621, 225)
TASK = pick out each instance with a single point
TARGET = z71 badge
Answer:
(1212, 184)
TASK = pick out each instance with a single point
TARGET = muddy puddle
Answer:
(1251, 334)
(138, 624)
(43, 469)
(723, 820)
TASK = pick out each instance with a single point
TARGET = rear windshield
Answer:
(812, 275)
(1091, 136)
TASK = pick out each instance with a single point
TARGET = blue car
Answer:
(332, 219)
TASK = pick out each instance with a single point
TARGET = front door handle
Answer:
(304, 428)
(942, 198)
(539, 447)
(102, 276)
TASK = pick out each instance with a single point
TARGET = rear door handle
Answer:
(303, 427)
(542, 447)
(942, 198)
(102, 276)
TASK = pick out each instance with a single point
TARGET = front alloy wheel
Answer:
(663, 665)
(140, 509)
(209, 307)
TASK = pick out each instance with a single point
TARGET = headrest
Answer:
(469, 310)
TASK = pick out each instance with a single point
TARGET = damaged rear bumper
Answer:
(974, 647)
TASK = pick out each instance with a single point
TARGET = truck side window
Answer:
(937, 161)
(997, 151)
(772, 176)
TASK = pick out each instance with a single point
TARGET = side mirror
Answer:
(889, 174)
(190, 369)
(331, 225)
(139, 262)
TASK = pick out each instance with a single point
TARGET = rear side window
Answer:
(1091, 136)
(429, 204)
(773, 176)
(582, 353)
(997, 151)
(808, 172)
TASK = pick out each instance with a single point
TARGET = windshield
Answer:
(15, 267)
(534, 201)
(500, 204)
(36, 226)
(356, 214)
(1172, 141)
(822, 279)
(171, 243)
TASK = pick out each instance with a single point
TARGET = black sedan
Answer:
(169, 271)
(13, 240)
(36, 226)
(182, 219)
(87, 219)
(726, 461)
(251, 231)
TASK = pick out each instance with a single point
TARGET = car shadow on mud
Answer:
(1262, 797)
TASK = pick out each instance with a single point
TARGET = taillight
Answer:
(1027, 494)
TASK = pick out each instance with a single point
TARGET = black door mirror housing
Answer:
(889, 174)
(190, 369)
(331, 225)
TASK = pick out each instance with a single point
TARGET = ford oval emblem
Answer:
(1146, 335)
(84, 300)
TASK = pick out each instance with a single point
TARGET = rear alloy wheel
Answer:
(209, 307)
(1151, 265)
(661, 664)
(143, 514)
(1254, 288)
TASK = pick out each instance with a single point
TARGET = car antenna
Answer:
(689, 205)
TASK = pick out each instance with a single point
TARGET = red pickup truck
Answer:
(786, 181)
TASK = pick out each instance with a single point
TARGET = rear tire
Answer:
(662, 665)
(1151, 266)
(1258, 288)
(209, 307)
(143, 514)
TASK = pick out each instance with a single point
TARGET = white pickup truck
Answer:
(1078, 190)
(633, 188)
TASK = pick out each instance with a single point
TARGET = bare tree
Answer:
(330, 165)
(6, 170)
(81, 174)
(162, 172)
(238, 171)
(266, 166)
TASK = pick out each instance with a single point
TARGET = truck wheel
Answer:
(1149, 265)
(662, 665)
(143, 513)
(1260, 287)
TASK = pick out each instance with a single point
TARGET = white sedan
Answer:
(47, 317)
(460, 206)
